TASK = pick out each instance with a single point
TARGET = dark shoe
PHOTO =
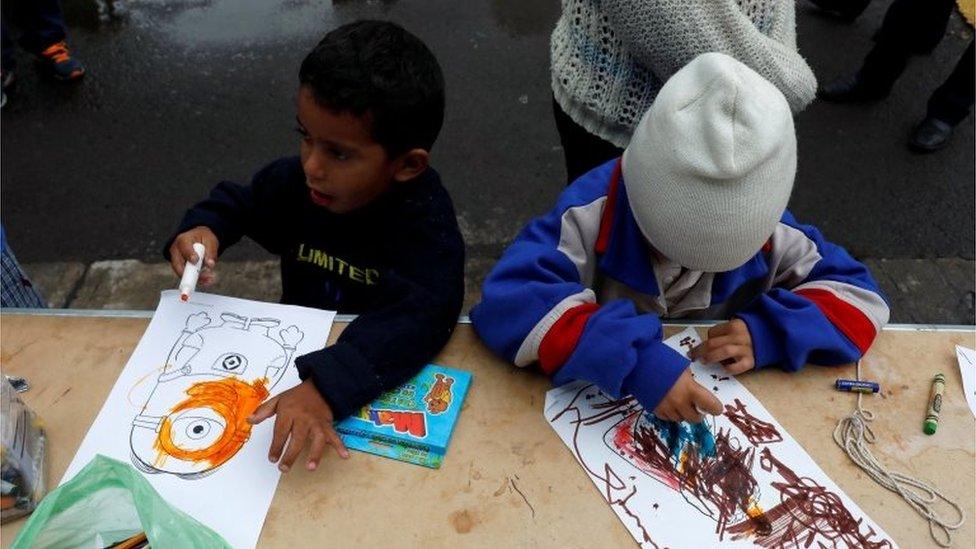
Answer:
(7, 81)
(845, 10)
(930, 135)
(850, 89)
(59, 64)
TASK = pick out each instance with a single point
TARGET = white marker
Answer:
(191, 272)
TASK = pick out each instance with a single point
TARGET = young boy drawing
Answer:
(690, 223)
(361, 223)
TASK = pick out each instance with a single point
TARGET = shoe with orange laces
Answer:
(59, 63)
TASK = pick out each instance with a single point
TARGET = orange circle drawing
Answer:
(230, 399)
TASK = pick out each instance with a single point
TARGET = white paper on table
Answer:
(967, 367)
(200, 456)
(757, 470)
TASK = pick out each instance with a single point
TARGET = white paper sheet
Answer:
(967, 367)
(756, 487)
(177, 410)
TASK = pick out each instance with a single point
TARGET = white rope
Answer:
(853, 434)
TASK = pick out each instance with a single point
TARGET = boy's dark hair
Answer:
(380, 69)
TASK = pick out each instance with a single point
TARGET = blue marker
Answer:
(855, 386)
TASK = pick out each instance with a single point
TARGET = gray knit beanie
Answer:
(711, 164)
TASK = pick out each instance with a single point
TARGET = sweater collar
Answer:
(626, 256)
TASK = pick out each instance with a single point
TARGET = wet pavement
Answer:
(182, 94)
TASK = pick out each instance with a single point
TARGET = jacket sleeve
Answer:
(233, 211)
(824, 307)
(664, 35)
(537, 306)
(414, 313)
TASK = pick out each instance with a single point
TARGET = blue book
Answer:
(413, 422)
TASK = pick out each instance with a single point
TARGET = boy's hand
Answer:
(685, 399)
(303, 416)
(182, 251)
(728, 344)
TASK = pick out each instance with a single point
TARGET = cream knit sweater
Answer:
(610, 57)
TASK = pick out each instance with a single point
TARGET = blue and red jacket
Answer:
(581, 294)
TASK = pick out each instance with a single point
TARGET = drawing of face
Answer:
(215, 376)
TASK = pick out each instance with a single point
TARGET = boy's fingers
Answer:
(719, 329)
(718, 341)
(282, 427)
(263, 411)
(665, 412)
(724, 352)
(210, 254)
(176, 260)
(315, 448)
(706, 401)
(742, 365)
(299, 434)
(335, 440)
(691, 414)
(186, 249)
(711, 344)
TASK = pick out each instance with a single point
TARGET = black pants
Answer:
(953, 100)
(39, 21)
(914, 27)
(583, 150)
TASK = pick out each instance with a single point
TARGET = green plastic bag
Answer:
(106, 502)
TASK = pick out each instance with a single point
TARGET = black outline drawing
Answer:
(238, 347)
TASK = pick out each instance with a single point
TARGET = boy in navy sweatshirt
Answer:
(361, 223)
(690, 223)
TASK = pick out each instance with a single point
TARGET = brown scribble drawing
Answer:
(612, 483)
(807, 513)
(755, 430)
(721, 485)
(622, 502)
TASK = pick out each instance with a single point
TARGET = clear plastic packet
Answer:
(22, 444)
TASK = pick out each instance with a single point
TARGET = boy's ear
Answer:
(410, 164)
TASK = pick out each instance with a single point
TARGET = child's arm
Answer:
(233, 211)
(416, 308)
(824, 307)
(537, 308)
(666, 34)
(414, 313)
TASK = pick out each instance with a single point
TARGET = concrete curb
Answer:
(920, 291)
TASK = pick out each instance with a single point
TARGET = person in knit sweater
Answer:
(609, 59)
(361, 223)
(690, 223)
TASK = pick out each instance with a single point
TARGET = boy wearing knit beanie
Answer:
(690, 223)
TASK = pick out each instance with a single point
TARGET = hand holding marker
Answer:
(182, 253)
(191, 273)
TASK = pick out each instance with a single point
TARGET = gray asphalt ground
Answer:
(182, 94)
